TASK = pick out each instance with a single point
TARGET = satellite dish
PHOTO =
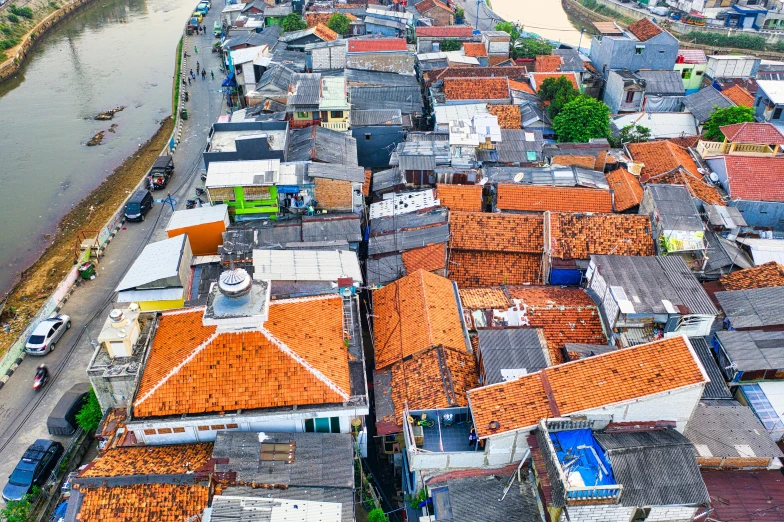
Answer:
(714, 177)
(518, 177)
(228, 247)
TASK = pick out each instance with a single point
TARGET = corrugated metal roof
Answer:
(764, 250)
(153, 294)
(383, 270)
(676, 208)
(753, 308)
(386, 179)
(331, 227)
(228, 509)
(569, 176)
(753, 350)
(306, 265)
(160, 260)
(387, 224)
(242, 173)
(304, 91)
(690, 291)
(511, 352)
(729, 429)
(407, 99)
(401, 241)
(520, 146)
(320, 144)
(663, 83)
(376, 117)
(717, 387)
(336, 171)
(198, 216)
(703, 102)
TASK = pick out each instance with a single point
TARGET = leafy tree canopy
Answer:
(558, 92)
(509, 28)
(293, 22)
(635, 134)
(581, 120)
(531, 48)
(90, 415)
(725, 116)
(339, 23)
(450, 45)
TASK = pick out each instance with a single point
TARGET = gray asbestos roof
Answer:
(675, 207)
(343, 496)
(275, 79)
(664, 83)
(729, 429)
(417, 162)
(384, 225)
(383, 270)
(753, 350)
(571, 60)
(509, 353)
(647, 281)
(703, 102)
(360, 77)
(320, 459)
(332, 227)
(476, 498)
(656, 468)
(753, 308)
(305, 93)
(516, 144)
(321, 144)
(338, 172)
(407, 240)
(407, 99)
(376, 117)
(386, 179)
(717, 387)
(569, 176)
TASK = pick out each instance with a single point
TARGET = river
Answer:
(543, 17)
(112, 53)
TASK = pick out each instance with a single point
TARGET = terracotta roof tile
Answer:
(548, 63)
(685, 141)
(194, 369)
(508, 115)
(577, 236)
(143, 503)
(373, 45)
(659, 157)
(747, 132)
(697, 187)
(495, 60)
(429, 258)
(467, 198)
(577, 386)
(325, 33)
(427, 5)
(418, 381)
(367, 183)
(601, 161)
(476, 89)
(446, 31)
(586, 162)
(539, 198)
(627, 190)
(415, 313)
(739, 96)
(496, 232)
(173, 459)
(484, 298)
(538, 77)
(471, 269)
(567, 315)
(521, 86)
(644, 29)
(476, 49)
(763, 276)
(755, 178)
(475, 72)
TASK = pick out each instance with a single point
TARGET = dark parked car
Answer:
(62, 420)
(138, 205)
(161, 171)
(33, 469)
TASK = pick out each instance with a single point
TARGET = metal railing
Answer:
(717, 148)
(335, 125)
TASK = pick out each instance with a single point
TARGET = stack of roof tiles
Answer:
(508, 115)
(476, 89)
(627, 190)
(763, 276)
(466, 198)
(577, 236)
(495, 249)
(540, 198)
(602, 380)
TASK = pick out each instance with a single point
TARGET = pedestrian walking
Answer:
(198, 65)
(190, 73)
(212, 74)
(189, 81)
(195, 49)
(204, 74)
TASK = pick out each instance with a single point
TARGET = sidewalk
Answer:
(23, 413)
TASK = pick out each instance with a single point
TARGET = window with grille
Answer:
(278, 452)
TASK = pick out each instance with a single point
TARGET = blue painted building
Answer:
(643, 45)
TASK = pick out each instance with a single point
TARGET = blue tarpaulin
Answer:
(229, 81)
(288, 189)
(578, 451)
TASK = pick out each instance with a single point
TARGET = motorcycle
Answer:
(204, 177)
(40, 380)
(200, 191)
(193, 203)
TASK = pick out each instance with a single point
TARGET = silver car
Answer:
(46, 334)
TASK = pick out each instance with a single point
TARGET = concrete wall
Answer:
(331, 57)
(761, 214)
(609, 53)
(601, 513)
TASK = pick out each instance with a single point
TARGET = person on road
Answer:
(195, 49)
(212, 74)
(204, 74)
(189, 80)
(42, 372)
(198, 65)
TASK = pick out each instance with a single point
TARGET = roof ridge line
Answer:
(316, 373)
(177, 368)
(294, 300)
(426, 307)
(181, 311)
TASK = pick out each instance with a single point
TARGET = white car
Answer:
(46, 334)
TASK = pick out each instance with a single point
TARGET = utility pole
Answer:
(581, 39)
(478, 3)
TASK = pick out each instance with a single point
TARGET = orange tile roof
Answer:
(415, 313)
(474, 49)
(429, 258)
(325, 33)
(419, 383)
(483, 298)
(539, 198)
(494, 60)
(296, 358)
(476, 72)
(143, 503)
(567, 315)
(539, 77)
(626, 188)
(739, 96)
(471, 269)
(482, 231)
(547, 63)
(508, 115)
(601, 161)
(476, 88)
(644, 29)
(587, 162)
(586, 384)
(466, 198)
(659, 157)
(427, 5)
(313, 18)
(366, 184)
(577, 236)
(753, 132)
(697, 187)
(521, 86)
(763, 276)
(171, 459)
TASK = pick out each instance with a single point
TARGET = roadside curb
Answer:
(11, 370)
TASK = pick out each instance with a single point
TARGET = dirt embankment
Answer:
(37, 282)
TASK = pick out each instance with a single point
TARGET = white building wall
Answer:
(671, 514)
(601, 513)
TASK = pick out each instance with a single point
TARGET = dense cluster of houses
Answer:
(396, 261)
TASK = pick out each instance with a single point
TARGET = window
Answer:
(334, 424)
(216, 427)
(367, 136)
(164, 431)
(232, 426)
(323, 425)
(281, 452)
(699, 73)
(629, 96)
(178, 430)
(149, 432)
(759, 102)
(303, 115)
(639, 49)
(204, 428)
(777, 113)
(335, 114)
(686, 74)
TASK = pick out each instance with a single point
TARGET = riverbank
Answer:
(39, 280)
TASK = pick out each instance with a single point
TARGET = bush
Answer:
(293, 22)
(377, 515)
(531, 48)
(13, 18)
(582, 119)
(740, 41)
(450, 45)
(5, 29)
(8, 43)
(725, 116)
(19, 510)
(90, 415)
(24, 12)
(339, 23)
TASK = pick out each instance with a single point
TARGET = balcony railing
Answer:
(718, 148)
(335, 125)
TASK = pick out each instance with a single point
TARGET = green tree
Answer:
(459, 13)
(450, 45)
(725, 116)
(339, 23)
(558, 92)
(509, 28)
(293, 22)
(531, 48)
(90, 415)
(19, 510)
(377, 515)
(635, 134)
(582, 119)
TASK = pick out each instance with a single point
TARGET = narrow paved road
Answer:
(487, 18)
(23, 413)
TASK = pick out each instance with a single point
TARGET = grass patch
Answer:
(596, 7)
(177, 81)
(3, 57)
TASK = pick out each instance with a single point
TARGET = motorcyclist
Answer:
(42, 372)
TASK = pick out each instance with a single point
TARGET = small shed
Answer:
(62, 420)
(205, 227)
